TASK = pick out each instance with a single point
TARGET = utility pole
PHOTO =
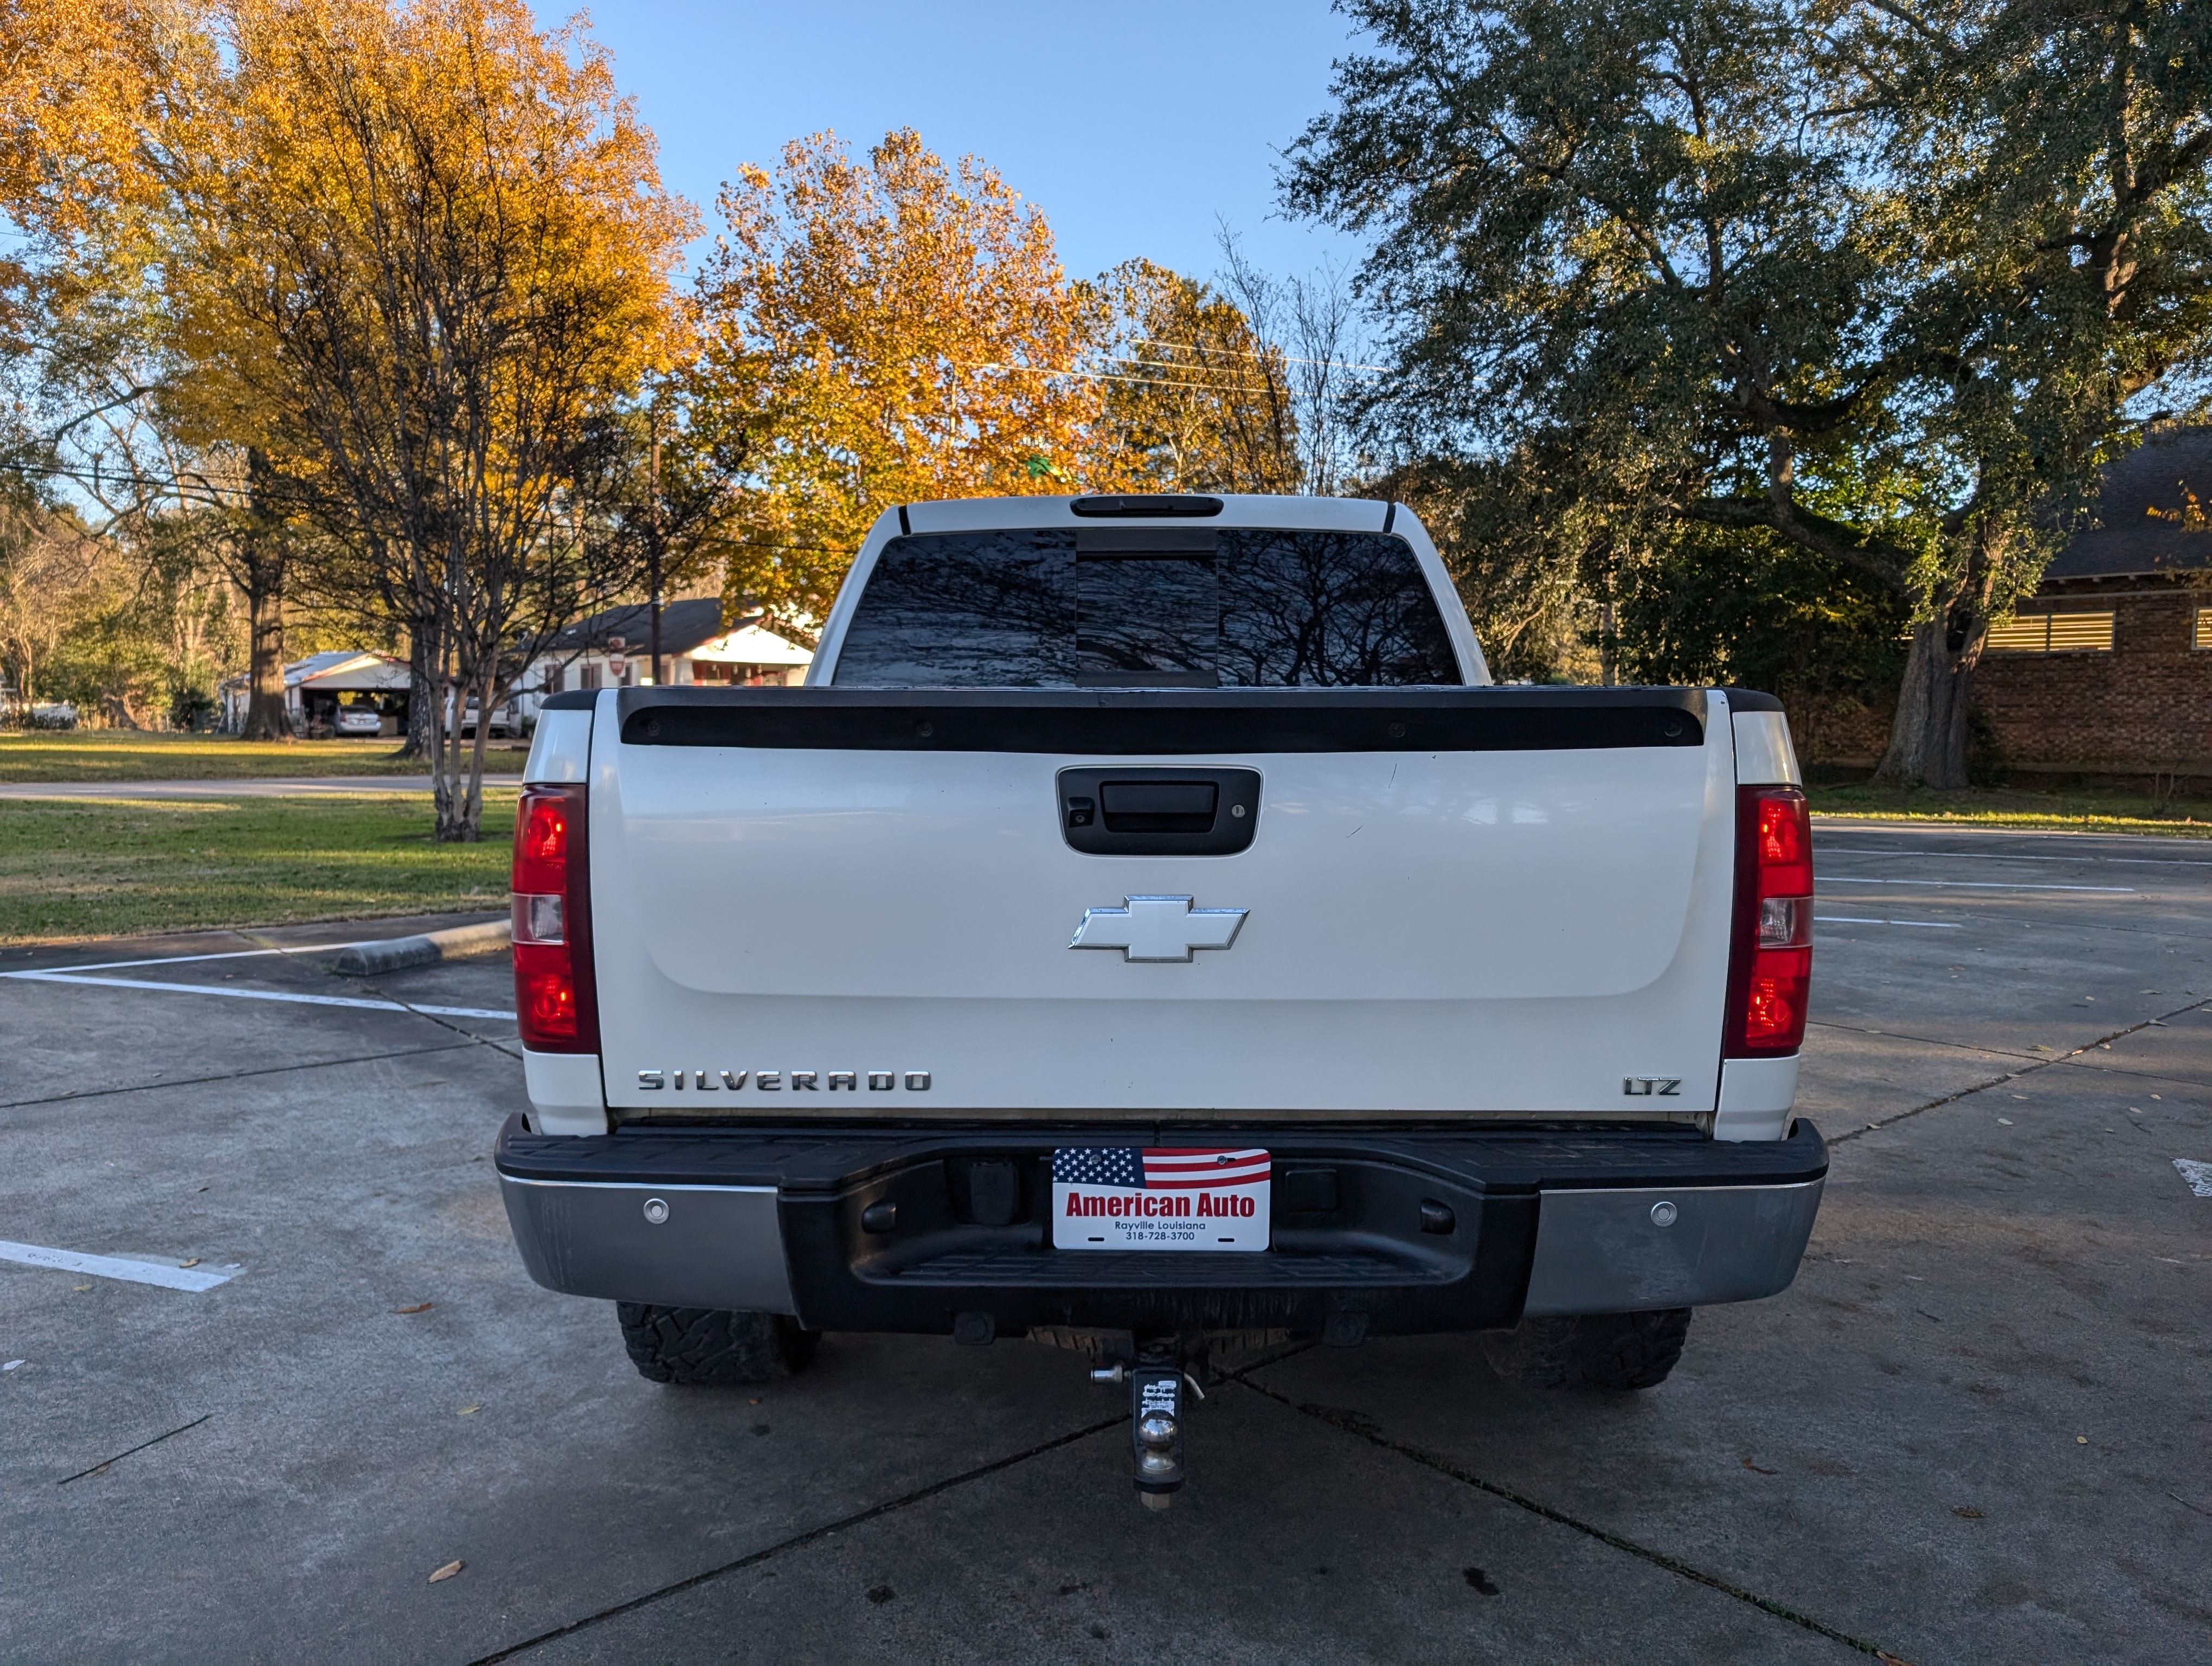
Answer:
(652, 537)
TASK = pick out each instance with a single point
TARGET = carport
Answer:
(375, 680)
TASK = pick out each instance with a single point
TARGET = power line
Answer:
(1110, 376)
(1249, 352)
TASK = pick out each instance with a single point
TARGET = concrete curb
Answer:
(455, 943)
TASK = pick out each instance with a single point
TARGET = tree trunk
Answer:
(459, 784)
(421, 738)
(446, 758)
(472, 801)
(266, 718)
(1928, 740)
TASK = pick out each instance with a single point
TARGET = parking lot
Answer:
(1977, 1428)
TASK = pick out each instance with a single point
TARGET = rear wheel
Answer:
(713, 1348)
(1613, 1352)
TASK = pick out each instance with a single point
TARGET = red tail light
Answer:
(554, 996)
(1771, 965)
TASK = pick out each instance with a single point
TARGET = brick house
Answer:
(2107, 668)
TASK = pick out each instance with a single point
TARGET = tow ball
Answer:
(1156, 1412)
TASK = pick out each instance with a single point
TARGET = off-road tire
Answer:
(712, 1347)
(1609, 1352)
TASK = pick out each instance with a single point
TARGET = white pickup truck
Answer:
(1149, 931)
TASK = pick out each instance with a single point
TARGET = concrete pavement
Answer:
(1974, 1429)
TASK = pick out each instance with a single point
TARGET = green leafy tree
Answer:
(1876, 280)
(1755, 610)
(50, 574)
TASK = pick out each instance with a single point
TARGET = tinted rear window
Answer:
(1146, 607)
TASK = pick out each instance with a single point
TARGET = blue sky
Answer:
(1133, 126)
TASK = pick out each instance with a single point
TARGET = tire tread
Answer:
(1610, 1353)
(713, 1348)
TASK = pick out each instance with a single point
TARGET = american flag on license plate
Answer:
(1155, 1168)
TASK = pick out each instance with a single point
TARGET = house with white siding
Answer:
(614, 649)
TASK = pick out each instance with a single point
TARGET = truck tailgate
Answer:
(1481, 901)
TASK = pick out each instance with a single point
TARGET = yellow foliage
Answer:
(1195, 400)
(76, 79)
(881, 332)
(411, 238)
(2190, 517)
(419, 267)
(81, 83)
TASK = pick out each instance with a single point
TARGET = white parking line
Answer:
(227, 954)
(262, 994)
(1853, 920)
(2006, 856)
(2198, 1175)
(167, 1275)
(1967, 884)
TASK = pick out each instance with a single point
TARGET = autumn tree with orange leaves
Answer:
(92, 94)
(78, 80)
(422, 266)
(1195, 399)
(878, 332)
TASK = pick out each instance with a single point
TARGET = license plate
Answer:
(1128, 1197)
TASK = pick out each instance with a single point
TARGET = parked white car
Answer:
(356, 721)
(506, 722)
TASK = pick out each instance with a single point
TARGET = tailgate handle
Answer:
(1161, 812)
(1159, 806)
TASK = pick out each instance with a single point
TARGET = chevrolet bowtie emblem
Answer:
(1157, 928)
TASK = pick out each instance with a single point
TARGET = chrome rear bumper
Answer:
(675, 1245)
(1624, 1251)
(1539, 1223)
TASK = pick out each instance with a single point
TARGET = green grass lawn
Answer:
(110, 867)
(2089, 810)
(128, 755)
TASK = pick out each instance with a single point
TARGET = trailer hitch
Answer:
(1156, 1382)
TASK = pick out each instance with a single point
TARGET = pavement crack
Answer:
(2136, 1075)
(227, 1076)
(365, 986)
(1925, 1041)
(140, 1447)
(1291, 1351)
(1366, 1429)
(2015, 1075)
(800, 1540)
